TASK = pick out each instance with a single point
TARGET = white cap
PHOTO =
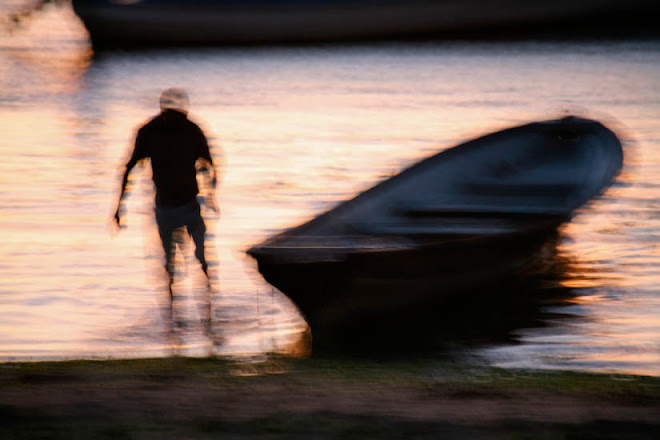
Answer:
(175, 99)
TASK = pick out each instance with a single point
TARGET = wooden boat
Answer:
(463, 218)
(125, 23)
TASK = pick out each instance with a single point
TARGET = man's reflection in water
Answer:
(177, 149)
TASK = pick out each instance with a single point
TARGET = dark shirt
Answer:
(173, 143)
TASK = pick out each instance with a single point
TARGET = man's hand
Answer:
(117, 218)
(115, 225)
(212, 205)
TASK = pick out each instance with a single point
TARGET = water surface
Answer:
(297, 130)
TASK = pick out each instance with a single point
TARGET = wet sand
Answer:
(309, 398)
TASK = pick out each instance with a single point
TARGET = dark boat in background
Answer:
(464, 218)
(126, 23)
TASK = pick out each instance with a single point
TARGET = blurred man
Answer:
(177, 149)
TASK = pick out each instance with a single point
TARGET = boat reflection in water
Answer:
(462, 225)
(486, 316)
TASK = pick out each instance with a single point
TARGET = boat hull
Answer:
(162, 22)
(465, 219)
(367, 289)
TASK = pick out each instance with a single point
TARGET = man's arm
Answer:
(122, 192)
(138, 154)
(207, 164)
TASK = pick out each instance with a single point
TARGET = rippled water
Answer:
(299, 129)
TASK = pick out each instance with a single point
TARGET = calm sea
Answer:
(298, 129)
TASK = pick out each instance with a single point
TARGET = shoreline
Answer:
(284, 397)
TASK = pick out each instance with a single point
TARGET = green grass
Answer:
(232, 379)
(450, 376)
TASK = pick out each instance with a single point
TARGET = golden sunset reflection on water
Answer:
(297, 130)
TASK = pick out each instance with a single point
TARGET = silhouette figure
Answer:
(178, 150)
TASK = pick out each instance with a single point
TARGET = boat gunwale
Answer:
(552, 125)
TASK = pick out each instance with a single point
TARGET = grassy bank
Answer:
(318, 398)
